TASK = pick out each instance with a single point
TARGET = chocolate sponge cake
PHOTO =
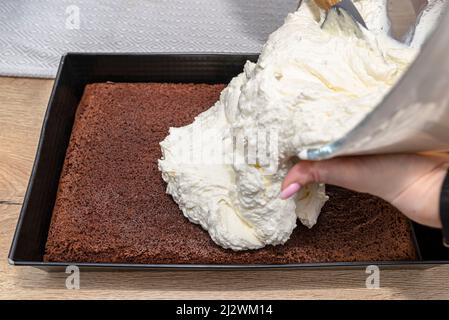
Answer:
(111, 203)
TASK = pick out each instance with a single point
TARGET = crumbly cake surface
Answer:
(111, 203)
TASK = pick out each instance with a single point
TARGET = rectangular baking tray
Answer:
(76, 70)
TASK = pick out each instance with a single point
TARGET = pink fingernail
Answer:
(290, 191)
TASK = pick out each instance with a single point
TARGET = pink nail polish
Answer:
(290, 191)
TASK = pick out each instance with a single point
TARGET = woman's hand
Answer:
(412, 183)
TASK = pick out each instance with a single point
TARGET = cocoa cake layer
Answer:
(111, 203)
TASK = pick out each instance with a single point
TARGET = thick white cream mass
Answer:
(310, 86)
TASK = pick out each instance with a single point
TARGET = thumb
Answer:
(343, 172)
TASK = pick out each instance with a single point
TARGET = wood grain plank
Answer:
(22, 107)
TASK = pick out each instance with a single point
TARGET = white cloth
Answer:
(35, 33)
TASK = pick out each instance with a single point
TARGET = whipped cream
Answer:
(310, 86)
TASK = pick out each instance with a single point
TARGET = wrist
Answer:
(444, 209)
(431, 203)
(421, 203)
(441, 175)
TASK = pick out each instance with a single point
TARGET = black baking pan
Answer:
(78, 69)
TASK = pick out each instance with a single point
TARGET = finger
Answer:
(343, 172)
(385, 176)
(303, 173)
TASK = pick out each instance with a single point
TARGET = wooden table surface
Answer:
(22, 106)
